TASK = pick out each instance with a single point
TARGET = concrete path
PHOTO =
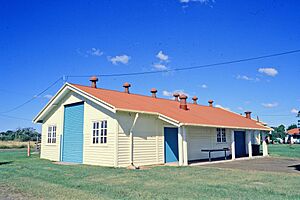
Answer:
(262, 164)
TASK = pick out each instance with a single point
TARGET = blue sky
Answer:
(43, 40)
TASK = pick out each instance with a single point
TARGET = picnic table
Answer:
(215, 150)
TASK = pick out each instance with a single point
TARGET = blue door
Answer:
(171, 144)
(72, 149)
(239, 140)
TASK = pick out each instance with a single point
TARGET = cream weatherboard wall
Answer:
(98, 154)
(205, 138)
(147, 136)
(56, 118)
(94, 154)
(148, 139)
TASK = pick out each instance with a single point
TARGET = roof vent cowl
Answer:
(153, 91)
(126, 86)
(176, 96)
(210, 103)
(94, 81)
(195, 99)
(183, 104)
(248, 114)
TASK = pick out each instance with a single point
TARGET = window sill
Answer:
(222, 143)
(99, 145)
(51, 144)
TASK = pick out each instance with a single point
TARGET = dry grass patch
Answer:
(15, 144)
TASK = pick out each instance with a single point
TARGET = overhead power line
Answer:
(192, 67)
(284, 115)
(13, 117)
(34, 97)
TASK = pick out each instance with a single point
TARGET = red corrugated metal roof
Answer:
(196, 114)
(294, 131)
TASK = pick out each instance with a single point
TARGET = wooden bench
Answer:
(215, 150)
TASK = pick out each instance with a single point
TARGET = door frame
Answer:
(164, 142)
(62, 142)
(245, 151)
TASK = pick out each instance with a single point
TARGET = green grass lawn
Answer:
(34, 178)
(285, 150)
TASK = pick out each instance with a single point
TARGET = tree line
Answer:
(21, 134)
(280, 131)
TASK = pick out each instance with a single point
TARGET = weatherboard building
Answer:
(90, 125)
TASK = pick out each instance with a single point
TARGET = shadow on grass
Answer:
(6, 162)
(296, 167)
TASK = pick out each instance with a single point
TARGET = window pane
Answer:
(105, 132)
(97, 140)
(97, 133)
(104, 139)
(218, 139)
(94, 140)
(224, 139)
(101, 132)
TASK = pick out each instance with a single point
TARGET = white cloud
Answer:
(270, 105)
(268, 71)
(240, 108)
(48, 96)
(160, 66)
(95, 52)
(162, 57)
(170, 93)
(204, 86)
(247, 78)
(220, 106)
(199, 1)
(124, 59)
(294, 111)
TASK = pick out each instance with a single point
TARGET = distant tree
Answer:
(292, 126)
(279, 132)
(21, 134)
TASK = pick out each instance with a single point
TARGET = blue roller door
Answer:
(240, 143)
(72, 149)
(171, 144)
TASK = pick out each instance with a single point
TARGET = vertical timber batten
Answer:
(185, 150)
(232, 145)
(131, 138)
(116, 163)
(180, 147)
(249, 143)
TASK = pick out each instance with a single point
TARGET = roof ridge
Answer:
(142, 95)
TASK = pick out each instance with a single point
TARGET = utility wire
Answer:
(279, 115)
(13, 117)
(31, 99)
(192, 67)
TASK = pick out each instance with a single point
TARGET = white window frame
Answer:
(99, 133)
(51, 134)
(221, 134)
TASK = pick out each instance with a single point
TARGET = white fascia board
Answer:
(50, 103)
(231, 127)
(160, 116)
(69, 87)
(169, 120)
(93, 99)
